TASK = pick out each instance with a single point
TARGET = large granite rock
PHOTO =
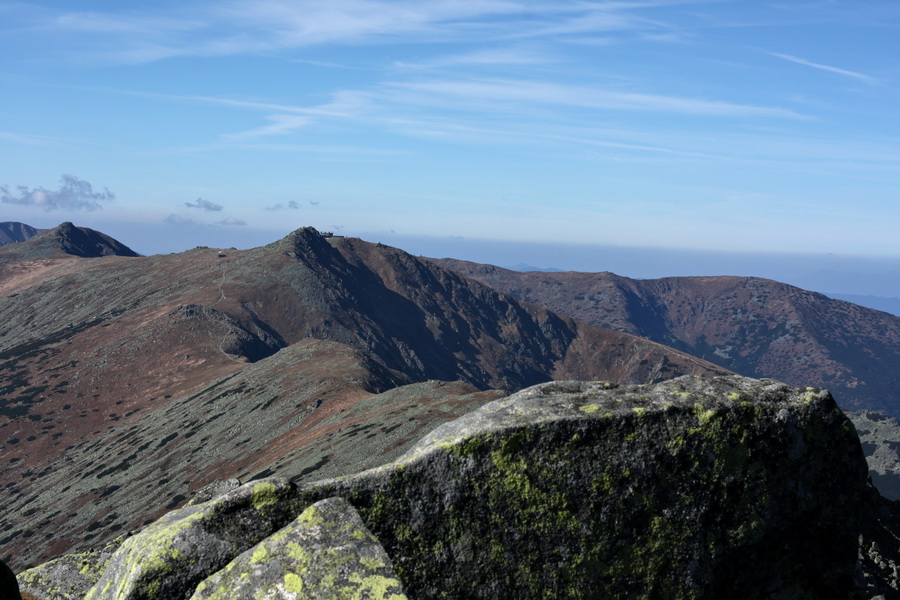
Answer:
(692, 488)
(327, 552)
(69, 576)
(170, 557)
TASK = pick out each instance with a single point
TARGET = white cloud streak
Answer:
(802, 61)
(504, 92)
(246, 27)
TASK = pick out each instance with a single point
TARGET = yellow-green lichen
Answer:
(293, 583)
(376, 587)
(260, 555)
(264, 494)
(703, 414)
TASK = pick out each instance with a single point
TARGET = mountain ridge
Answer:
(753, 326)
(302, 334)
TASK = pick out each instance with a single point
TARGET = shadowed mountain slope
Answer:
(12, 232)
(755, 327)
(67, 240)
(126, 380)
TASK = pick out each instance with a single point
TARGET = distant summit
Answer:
(67, 239)
(12, 232)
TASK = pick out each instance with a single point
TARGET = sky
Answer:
(462, 126)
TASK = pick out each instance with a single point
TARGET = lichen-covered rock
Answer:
(692, 488)
(168, 558)
(326, 553)
(878, 576)
(69, 576)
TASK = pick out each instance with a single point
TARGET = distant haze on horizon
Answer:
(750, 138)
(832, 274)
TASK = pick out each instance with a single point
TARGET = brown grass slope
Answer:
(755, 327)
(126, 383)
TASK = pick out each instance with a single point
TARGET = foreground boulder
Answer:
(327, 552)
(691, 488)
(171, 556)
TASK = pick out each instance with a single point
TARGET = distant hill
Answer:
(129, 379)
(755, 327)
(12, 232)
(66, 240)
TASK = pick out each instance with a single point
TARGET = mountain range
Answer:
(752, 326)
(127, 383)
(130, 383)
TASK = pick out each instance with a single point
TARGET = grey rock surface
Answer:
(880, 437)
(691, 488)
(168, 558)
(70, 575)
(326, 553)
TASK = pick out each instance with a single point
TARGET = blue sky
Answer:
(727, 126)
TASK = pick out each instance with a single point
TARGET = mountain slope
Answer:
(12, 232)
(67, 240)
(755, 327)
(124, 380)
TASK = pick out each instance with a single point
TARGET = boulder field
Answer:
(724, 487)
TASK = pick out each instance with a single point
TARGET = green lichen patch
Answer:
(327, 552)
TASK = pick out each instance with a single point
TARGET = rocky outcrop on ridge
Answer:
(690, 488)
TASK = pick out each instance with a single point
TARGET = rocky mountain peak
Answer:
(66, 240)
(87, 243)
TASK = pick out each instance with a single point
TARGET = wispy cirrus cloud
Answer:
(802, 61)
(505, 92)
(489, 57)
(73, 194)
(29, 140)
(244, 27)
